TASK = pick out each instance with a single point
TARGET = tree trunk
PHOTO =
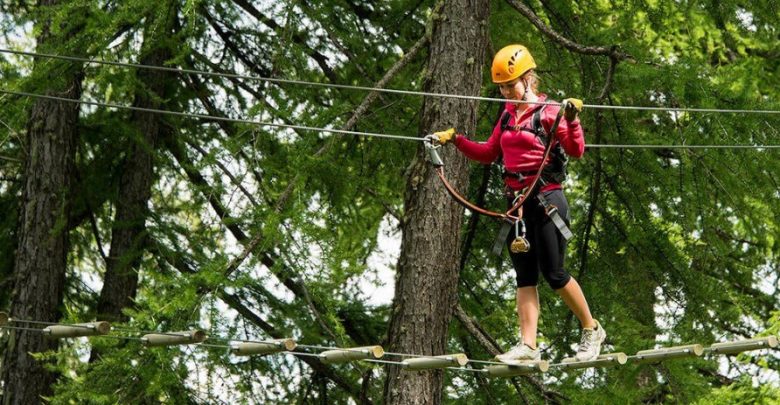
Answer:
(128, 234)
(41, 258)
(427, 279)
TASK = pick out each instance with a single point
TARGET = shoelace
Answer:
(586, 342)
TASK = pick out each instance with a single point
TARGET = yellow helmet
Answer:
(511, 62)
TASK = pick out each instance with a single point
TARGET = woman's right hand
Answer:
(444, 136)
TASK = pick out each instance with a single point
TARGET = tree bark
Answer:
(41, 258)
(128, 234)
(427, 279)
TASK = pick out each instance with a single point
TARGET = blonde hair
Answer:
(533, 80)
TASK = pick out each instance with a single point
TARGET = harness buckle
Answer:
(552, 211)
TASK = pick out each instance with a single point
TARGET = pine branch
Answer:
(319, 58)
(266, 257)
(388, 208)
(227, 127)
(316, 313)
(359, 112)
(233, 47)
(477, 332)
(611, 51)
(234, 302)
(353, 390)
(96, 233)
(236, 182)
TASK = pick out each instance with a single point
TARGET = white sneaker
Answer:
(520, 352)
(590, 345)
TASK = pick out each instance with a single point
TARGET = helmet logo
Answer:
(511, 64)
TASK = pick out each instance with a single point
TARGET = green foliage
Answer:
(672, 246)
(743, 391)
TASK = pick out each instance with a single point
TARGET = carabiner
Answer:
(433, 150)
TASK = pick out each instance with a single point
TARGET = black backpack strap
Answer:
(505, 120)
(555, 171)
(538, 128)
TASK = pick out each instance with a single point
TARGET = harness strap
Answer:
(538, 175)
(555, 216)
(503, 233)
(555, 170)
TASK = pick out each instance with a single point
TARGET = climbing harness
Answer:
(514, 215)
(547, 139)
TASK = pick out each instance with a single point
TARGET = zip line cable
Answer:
(207, 117)
(366, 88)
(347, 132)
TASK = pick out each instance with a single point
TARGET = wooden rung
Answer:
(356, 353)
(77, 330)
(744, 345)
(604, 360)
(427, 363)
(272, 346)
(173, 338)
(3, 318)
(519, 368)
(666, 353)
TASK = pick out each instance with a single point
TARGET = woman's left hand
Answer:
(571, 107)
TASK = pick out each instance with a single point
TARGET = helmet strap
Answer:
(528, 89)
(525, 87)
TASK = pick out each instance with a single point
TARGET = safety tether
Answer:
(435, 159)
(432, 146)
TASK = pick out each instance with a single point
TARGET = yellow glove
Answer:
(444, 136)
(571, 107)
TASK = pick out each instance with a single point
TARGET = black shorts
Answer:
(548, 247)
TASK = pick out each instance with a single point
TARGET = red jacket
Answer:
(523, 150)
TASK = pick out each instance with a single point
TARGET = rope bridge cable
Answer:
(422, 362)
(394, 354)
(366, 88)
(346, 132)
(209, 345)
(197, 344)
(407, 355)
(206, 116)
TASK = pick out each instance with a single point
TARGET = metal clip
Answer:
(520, 244)
(433, 151)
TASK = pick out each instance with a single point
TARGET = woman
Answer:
(522, 145)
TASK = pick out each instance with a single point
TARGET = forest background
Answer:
(161, 222)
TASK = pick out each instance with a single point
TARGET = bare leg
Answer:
(574, 298)
(528, 314)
